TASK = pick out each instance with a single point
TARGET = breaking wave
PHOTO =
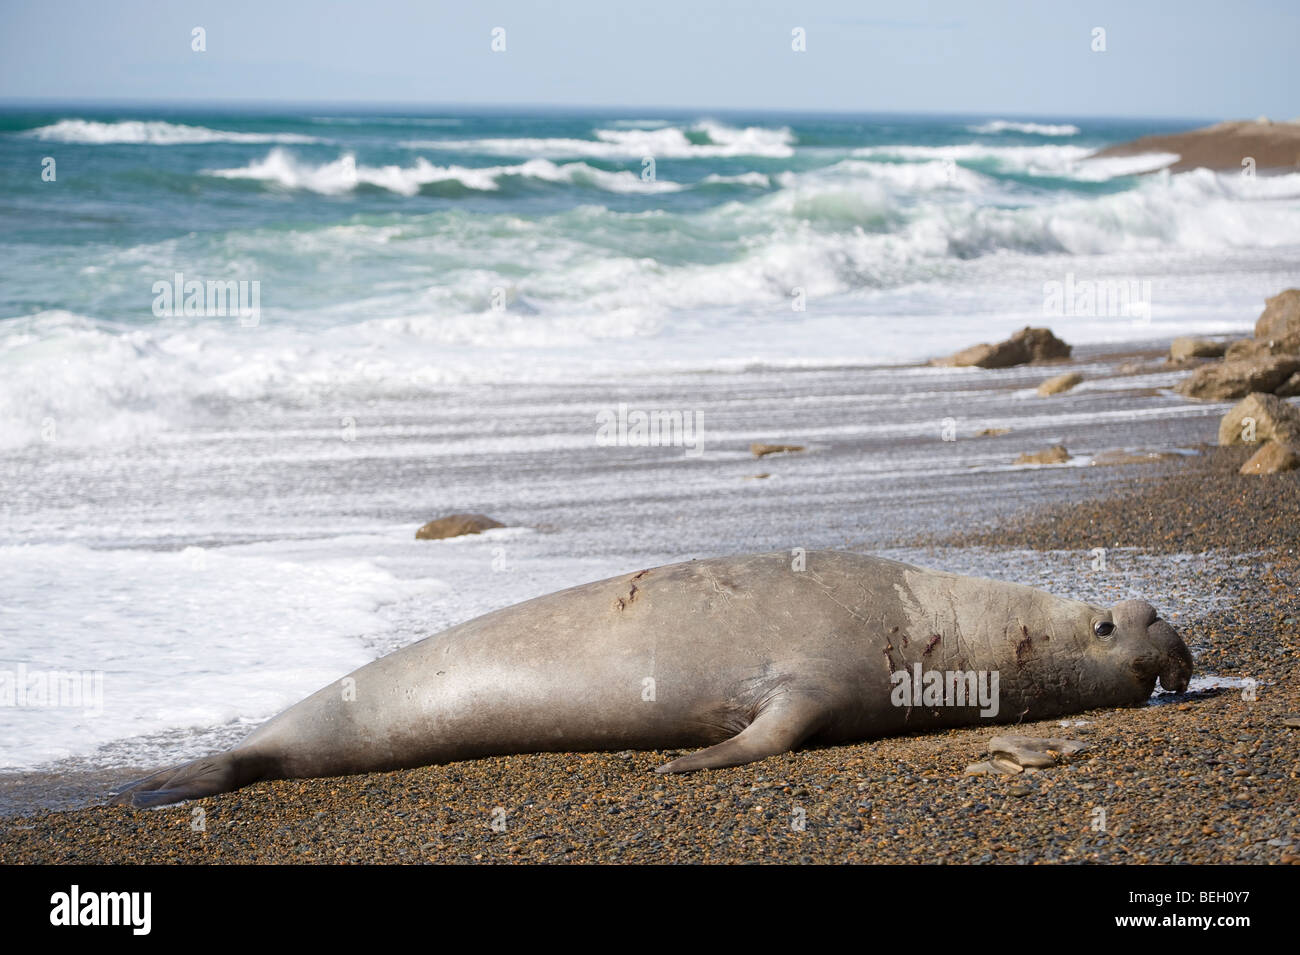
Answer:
(152, 133)
(346, 174)
(703, 140)
(1035, 129)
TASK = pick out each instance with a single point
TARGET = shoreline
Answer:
(876, 473)
(1206, 777)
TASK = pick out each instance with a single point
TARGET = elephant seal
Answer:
(746, 656)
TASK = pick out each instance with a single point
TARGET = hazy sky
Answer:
(1183, 58)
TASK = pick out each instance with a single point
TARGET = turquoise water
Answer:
(407, 251)
(135, 177)
(453, 197)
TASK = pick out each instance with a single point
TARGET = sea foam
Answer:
(704, 140)
(208, 637)
(152, 133)
(345, 174)
(1035, 129)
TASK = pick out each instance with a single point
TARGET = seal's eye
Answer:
(1103, 628)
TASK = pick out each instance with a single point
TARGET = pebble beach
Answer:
(1207, 776)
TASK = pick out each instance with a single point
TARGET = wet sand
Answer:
(1203, 777)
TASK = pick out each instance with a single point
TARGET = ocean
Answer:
(209, 503)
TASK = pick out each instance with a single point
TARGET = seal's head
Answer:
(1132, 637)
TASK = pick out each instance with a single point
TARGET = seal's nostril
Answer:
(1176, 660)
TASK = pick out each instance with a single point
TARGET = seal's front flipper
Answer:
(779, 727)
(208, 776)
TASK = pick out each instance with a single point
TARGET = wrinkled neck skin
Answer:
(1042, 647)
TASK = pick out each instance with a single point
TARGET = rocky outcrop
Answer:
(456, 525)
(1269, 362)
(1281, 316)
(1253, 349)
(1273, 458)
(1236, 379)
(1056, 454)
(1260, 417)
(1180, 349)
(1059, 384)
(1025, 346)
(1221, 146)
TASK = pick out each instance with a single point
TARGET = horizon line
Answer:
(379, 105)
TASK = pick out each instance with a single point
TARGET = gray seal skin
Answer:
(745, 656)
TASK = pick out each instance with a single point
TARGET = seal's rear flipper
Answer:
(208, 776)
(779, 727)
